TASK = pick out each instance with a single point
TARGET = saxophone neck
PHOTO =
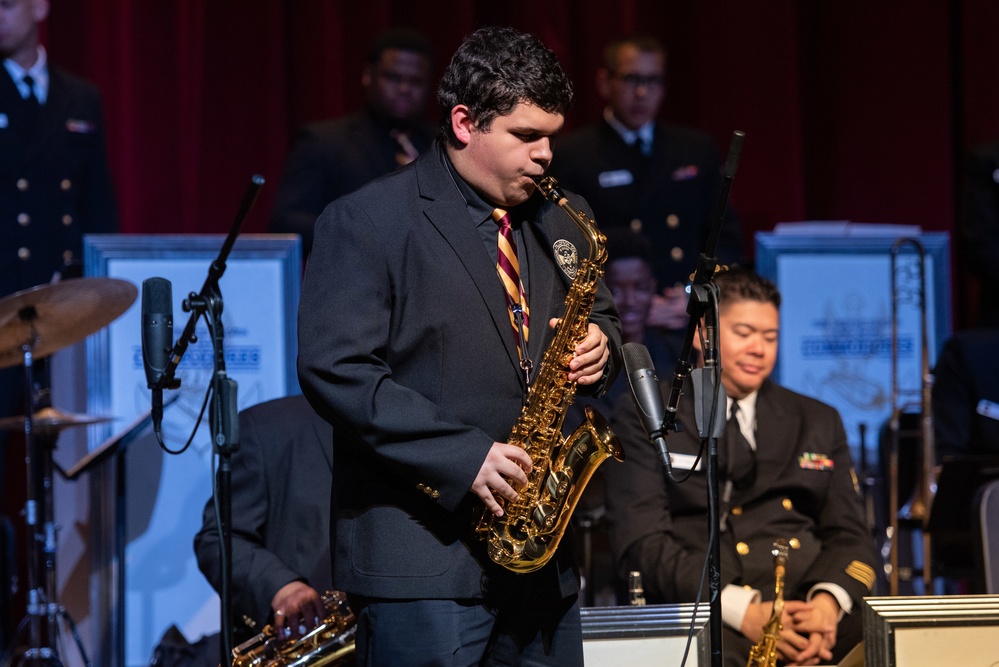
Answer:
(550, 190)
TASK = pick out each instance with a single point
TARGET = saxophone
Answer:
(527, 534)
(764, 653)
(329, 643)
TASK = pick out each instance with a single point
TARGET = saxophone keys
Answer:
(558, 484)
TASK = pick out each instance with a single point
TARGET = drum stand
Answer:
(43, 613)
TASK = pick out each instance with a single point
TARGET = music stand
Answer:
(115, 447)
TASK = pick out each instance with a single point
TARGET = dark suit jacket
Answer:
(281, 479)
(672, 193)
(660, 529)
(405, 347)
(966, 373)
(330, 159)
(978, 228)
(55, 185)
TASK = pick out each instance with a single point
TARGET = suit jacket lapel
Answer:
(52, 116)
(776, 438)
(447, 212)
(545, 297)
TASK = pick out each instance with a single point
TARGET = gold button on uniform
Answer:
(736, 511)
(67, 220)
(676, 254)
(435, 495)
(24, 253)
(672, 221)
(23, 219)
(794, 543)
(65, 184)
(636, 225)
(742, 548)
(22, 184)
(788, 505)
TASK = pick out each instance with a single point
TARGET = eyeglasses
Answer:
(651, 81)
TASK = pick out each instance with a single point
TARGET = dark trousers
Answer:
(527, 632)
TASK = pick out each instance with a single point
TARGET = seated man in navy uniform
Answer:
(785, 472)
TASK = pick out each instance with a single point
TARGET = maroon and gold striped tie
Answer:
(508, 268)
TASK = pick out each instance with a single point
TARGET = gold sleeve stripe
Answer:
(862, 572)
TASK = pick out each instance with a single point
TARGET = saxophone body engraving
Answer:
(764, 653)
(526, 536)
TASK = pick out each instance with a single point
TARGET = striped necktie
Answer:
(508, 268)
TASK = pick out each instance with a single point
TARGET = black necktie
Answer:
(741, 466)
(31, 99)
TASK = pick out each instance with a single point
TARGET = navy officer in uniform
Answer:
(785, 472)
(55, 185)
(656, 178)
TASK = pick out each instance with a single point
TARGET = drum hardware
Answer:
(34, 324)
(917, 510)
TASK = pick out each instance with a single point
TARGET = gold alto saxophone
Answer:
(764, 653)
(329, 643)
(527, 534)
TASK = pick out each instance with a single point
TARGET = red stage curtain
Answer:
(852, 110)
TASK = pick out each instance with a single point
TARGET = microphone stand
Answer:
(701, 304)
(223, 417)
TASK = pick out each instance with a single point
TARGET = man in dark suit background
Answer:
(659, 179)
(334, 157)
(281, 478)
(406, 346)
(978, 228)
(785, 472)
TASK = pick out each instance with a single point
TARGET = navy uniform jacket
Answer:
(670, 195)
(332, 158)
(405, 347)
(55, 185)
(804, 490)
(281, 477)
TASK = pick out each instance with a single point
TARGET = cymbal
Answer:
(59, 314)
(50, 420)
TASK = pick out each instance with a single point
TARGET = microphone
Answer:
(157, 338)
(648, 398)
(645, 388)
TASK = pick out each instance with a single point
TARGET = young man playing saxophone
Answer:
(406, 347)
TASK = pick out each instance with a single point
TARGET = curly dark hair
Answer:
(496, 68)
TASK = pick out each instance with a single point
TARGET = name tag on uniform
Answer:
(684, 461)
(615, 179)
(988, 409)
(77, 126)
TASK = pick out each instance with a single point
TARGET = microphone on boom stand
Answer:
(157, 339)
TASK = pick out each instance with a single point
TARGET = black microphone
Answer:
(157, 338)
(648, 398)
(645, 389)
